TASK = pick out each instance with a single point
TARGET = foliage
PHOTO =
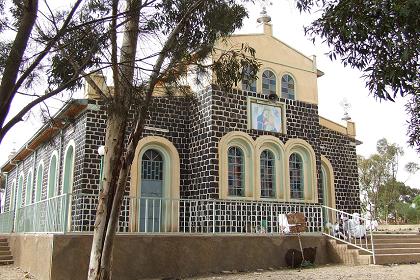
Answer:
(380, 38)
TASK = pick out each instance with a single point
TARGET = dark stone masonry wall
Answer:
(75, 130)
(340, 150)
(195, 127)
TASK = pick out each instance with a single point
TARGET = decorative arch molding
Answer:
(246, 143)
(69, 158)
(52, 175)
(171, 178)
(328, 182)
(269, 142)
(305, 150)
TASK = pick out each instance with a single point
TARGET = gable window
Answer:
(39, 177)
(248, 84)
(268, 82)
(267, 174)
(28, 192)
(236, 168)
(52, 176)
(287, 87)
(296, 176)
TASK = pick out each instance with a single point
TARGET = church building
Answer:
(218, 162)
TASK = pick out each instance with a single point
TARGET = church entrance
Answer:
(151, 191)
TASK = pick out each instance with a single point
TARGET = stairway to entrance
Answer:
(5, 253)
(389, 249)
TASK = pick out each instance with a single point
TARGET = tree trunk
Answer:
(14, 59)
(116, 165)
(114, 141)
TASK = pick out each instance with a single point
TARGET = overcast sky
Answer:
(374, 120)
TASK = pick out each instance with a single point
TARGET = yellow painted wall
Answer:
(281, 59)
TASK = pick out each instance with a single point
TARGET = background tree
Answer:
(381, 191)
(35, 63)
(380, 38)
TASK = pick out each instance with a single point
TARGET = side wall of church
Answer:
(340, 150)
(75, 130)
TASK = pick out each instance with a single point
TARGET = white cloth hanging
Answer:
(284, 226)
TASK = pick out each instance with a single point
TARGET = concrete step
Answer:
(4, 243)
(6, 262)
(393, 251)
(396, 258)
(2, 253)
(393, 245)
(396, 240)
(4, 248)
(6, 257)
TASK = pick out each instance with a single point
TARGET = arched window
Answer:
(12, 196)
(28, 192)
(248, 84)
(268, 82)
(19, 192)
(267, 165)
(68, 169)
(287, 87)
(236, 168)
(52, 176)
(39, 178)
(296, 176)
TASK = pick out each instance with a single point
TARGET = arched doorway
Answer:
(151, 191)
(155, 185)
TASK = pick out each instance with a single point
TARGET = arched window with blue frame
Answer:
(29, 185)
(52, 175)
(68, 170)
(39, 179)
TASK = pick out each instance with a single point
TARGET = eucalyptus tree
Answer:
(380, 38)
(180, 36)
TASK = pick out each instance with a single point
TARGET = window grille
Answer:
(247, 84)
(296, 176)
(267, 168)
(287, 87)
(236, 170)
(268, 82)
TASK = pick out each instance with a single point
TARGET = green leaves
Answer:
(378, 37)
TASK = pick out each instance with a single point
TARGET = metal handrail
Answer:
(348, 235)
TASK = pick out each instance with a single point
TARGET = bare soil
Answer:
(329, 272)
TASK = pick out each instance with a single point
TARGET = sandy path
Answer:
(333, 272)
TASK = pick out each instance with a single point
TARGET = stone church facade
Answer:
(220, 161)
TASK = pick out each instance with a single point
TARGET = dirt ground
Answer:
(333, 272)
(330, 272)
